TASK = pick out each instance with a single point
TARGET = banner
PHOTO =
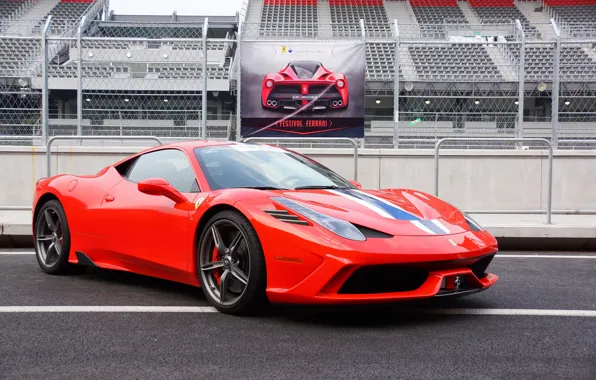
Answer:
(303, 89)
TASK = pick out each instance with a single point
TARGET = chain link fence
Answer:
(457, 83)
(20, 98)
(576, 117)
(453, 80)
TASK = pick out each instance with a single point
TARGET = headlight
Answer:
(474, 225)
(339, 227)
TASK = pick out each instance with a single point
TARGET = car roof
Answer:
(190, 145)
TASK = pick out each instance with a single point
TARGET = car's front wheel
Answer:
(231, 264)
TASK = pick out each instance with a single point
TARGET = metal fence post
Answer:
(556, 85)
(45, 94)
(522, 64)
(238, 81)
(362, 29)
(205, 76)
(396, 89)
(106, 10)
(80, 78)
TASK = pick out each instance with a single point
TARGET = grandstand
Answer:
(458, 66)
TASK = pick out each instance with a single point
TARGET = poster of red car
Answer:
(309, 89)
(304, 84)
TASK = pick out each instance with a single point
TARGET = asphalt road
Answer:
(298, 342)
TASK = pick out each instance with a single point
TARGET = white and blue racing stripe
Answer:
(392, 211)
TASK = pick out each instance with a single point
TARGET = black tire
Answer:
(253, 298)
(59, 263)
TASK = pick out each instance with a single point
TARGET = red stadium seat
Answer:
(357, 3)
(290, 2)
(491, 3)
(433, 3)
(569, 3)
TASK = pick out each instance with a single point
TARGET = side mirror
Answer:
(159, 186)
(357, 184)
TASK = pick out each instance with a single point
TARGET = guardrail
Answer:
(321, 139)
(55, 138)
(547, 143)
(18, 138)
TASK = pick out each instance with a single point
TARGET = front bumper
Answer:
(340, 288)
(416, 272)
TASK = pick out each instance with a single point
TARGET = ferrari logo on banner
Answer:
(284, 49)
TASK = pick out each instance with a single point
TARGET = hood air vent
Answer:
(369, 233)
(285, 216)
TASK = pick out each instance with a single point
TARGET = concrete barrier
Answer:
(469, 179)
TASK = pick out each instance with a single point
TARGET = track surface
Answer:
(298, 342)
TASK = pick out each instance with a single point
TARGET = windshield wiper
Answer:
(320, 187)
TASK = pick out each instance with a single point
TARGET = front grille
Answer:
(285, 216)
(403, 278)
(384, 279)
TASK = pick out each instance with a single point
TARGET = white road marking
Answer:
(547, 256)
(208, 309)
(107, 309)
(524, 312)
(8, 253)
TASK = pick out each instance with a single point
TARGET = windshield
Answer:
(305, 69)
(259, 166)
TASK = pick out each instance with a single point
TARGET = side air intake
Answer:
(285, 216)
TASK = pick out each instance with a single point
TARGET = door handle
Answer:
(109, 198)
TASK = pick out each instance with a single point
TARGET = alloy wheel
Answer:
(225, 262)
(49, 236)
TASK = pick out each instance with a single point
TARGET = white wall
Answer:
(472, 180)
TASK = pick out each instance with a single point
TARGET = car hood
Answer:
(395, 211)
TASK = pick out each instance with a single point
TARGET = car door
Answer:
(148, 230)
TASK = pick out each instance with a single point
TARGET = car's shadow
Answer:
(374, 315)
(140, 283)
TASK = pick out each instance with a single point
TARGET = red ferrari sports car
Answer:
(304, 84)
(252, 224)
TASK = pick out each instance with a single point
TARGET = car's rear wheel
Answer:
(52, 239)
(231, 264)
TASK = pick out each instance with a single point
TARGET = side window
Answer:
(169, 164)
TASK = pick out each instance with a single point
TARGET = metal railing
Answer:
(321, 139)
(55, 138)
(549, 203)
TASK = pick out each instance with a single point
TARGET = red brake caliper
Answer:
(217, 272)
